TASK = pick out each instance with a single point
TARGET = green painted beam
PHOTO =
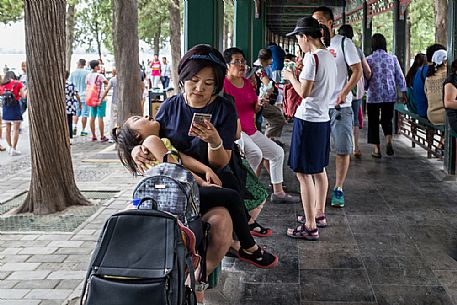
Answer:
(399, 35)
(451, 147)
(203, 23)
(243, 27)
(258, 31)
(367, 30)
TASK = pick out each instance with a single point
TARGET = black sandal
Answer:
(259, 230)
(260, 258)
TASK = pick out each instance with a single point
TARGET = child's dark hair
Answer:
(126, 139)
(67, 74)
(199, 57)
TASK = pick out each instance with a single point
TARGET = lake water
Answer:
(13, 61)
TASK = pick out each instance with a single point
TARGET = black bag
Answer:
(8, 97)
(140, 259)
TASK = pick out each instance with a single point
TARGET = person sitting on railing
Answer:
(419, 61)
(436, 75)
(450, 97)
(419, 81)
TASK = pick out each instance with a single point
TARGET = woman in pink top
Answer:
(256, 145)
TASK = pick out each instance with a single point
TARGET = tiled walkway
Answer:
(394, 243)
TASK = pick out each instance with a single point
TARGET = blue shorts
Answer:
(355, 110)
(85, 110)
(99, 111)
(310, 147)
(341, 123)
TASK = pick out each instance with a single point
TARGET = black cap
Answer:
(305, 24)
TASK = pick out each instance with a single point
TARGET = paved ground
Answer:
(394, 243)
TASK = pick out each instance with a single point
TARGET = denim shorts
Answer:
(85, 110)
(342, 130)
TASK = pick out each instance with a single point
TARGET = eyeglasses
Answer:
(338, 114)
(238, 62)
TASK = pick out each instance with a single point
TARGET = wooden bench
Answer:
(419, 130)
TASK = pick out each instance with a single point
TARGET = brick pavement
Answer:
(394, 242)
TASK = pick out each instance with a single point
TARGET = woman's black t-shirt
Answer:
(175, 118)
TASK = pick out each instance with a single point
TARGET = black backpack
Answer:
(140, 259)
(8, 97)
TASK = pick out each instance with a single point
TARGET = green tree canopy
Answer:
(94, 25)
(154, 22)
(11, 11)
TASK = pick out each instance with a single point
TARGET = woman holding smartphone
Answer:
(211, 141)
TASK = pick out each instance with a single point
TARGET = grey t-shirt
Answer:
(113, 84)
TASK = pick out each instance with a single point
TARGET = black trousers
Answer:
(70, 124)
(211, 197)
(387, 114)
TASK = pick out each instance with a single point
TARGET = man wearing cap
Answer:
(341, 116)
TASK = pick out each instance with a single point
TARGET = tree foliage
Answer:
(94, 25)
(154, 22)
(11, 11)
(422, 19)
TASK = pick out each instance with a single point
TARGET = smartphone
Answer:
(199, 118)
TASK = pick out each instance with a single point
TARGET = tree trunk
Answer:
(175, 40)
(441, 22)
(157, 40)
(52, 186)
(70, 35)
(98, 40)
(126, 54)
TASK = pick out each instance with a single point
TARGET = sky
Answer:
(12, 36)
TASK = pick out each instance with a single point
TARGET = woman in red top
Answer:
(11, 109)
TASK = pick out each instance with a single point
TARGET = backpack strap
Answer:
(316, 60)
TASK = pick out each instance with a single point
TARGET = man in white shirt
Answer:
(341, 116)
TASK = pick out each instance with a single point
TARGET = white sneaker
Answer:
(110, 140)
(14, 152)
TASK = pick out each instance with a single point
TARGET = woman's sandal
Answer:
(2, 148)
(321, 221)
(259, 230)
(302, 232)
